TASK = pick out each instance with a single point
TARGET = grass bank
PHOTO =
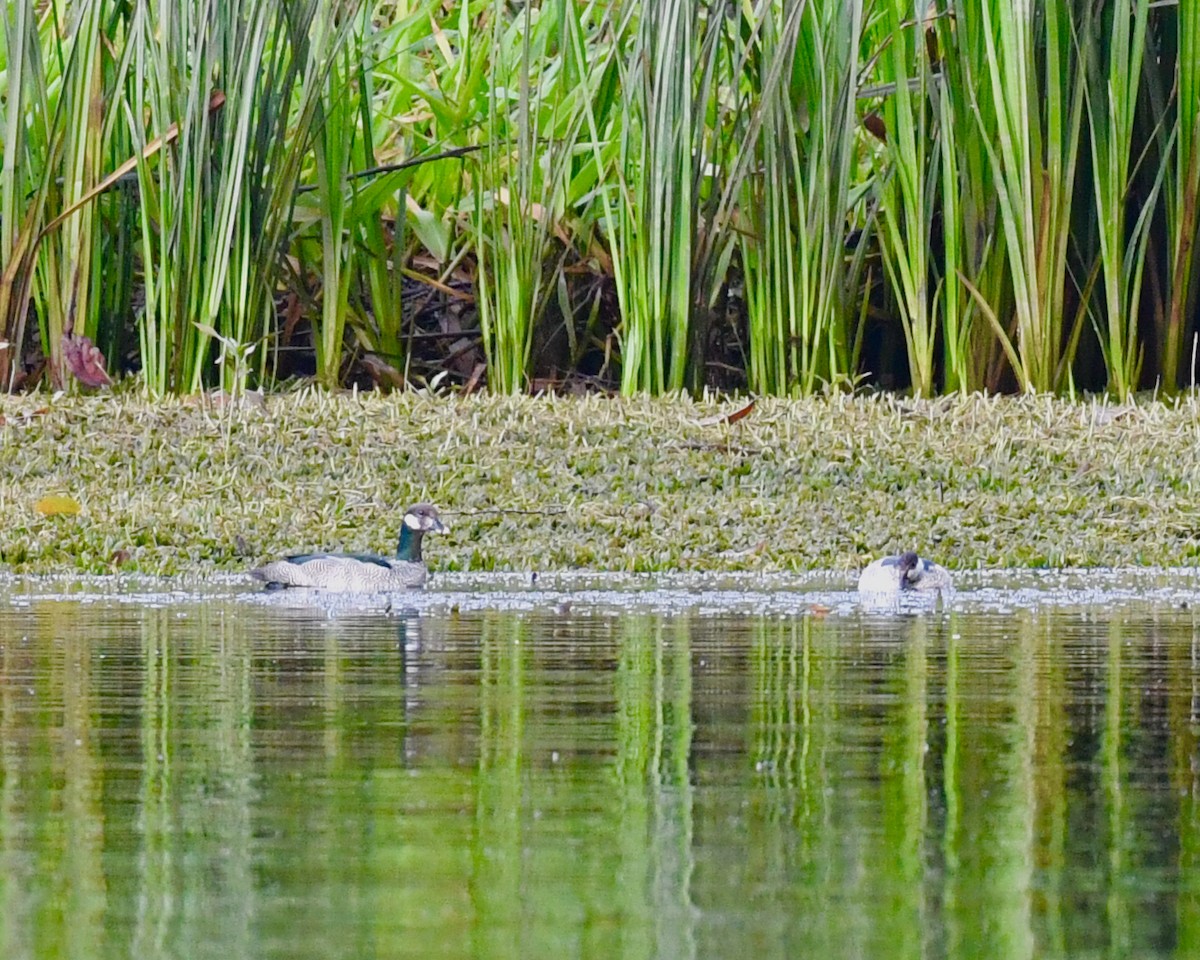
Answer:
(640, 484)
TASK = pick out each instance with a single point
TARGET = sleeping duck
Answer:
(905, 571)
(360, 572)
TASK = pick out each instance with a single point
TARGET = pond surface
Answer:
(601, 768)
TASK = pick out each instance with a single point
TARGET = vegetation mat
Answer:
(116, 482)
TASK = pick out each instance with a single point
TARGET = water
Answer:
(601, 767)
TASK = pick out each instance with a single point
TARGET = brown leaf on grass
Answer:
(473, 380)
(85, 361)
(56, 504)
(729, 417)
(382, 374)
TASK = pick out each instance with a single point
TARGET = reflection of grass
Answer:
(599, 483)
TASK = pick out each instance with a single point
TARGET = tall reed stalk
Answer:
(654, 229)
(974, 256)
(66, 254)
(1021, 62)
(1181, 187)
(798, 282)
(216, 202)
(1112, 101)
(517, 204)
(908, 185)
(25, 173)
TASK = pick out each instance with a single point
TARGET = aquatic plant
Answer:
(652, 196)
(637, 484)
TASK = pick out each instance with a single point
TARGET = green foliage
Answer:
(770, 187)
(800, 285)
(177, 486)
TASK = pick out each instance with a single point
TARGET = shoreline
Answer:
(595, 483)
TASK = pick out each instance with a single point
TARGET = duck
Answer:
(903, 572)
(360, 572)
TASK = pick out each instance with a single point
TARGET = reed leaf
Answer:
(797, 280)
(1112, 94)
(1181, 189)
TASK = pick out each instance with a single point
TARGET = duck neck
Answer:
(409, 547)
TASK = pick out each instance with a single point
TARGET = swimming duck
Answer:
(360, 572)
(905, 571)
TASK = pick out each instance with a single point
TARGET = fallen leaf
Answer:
(385, 376)
(729, 417)
(85, 361)
(473, 380)
(57, 503)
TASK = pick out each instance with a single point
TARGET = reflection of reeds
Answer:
(1183, 714)
(655, 779)
(956, 786)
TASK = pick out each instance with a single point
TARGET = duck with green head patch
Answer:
(360, 572)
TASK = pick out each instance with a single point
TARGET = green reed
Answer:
(908, 186)
(521, 181)
(736, 182)
(1181, 186)
(655, 178)
(799, 286)
(1027, 73)
(28, 129)
(1112, 96)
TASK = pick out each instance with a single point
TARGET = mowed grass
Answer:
(545, 483)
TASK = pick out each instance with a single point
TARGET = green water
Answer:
(238, 780)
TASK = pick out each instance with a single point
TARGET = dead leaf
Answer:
(476, 376)
(382, 374)
(85, 361)
(57, 503)
(729, 417)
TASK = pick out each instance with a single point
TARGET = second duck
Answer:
(903, 572)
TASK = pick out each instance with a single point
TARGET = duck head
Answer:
(423, 518)
(908, 565)
(419, 519)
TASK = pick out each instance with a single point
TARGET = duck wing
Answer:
(302, 558)
(334, 571)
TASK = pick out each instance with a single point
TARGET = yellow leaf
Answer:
(56, 503)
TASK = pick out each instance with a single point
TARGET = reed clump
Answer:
(645, 196)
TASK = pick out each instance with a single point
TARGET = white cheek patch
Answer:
(413, 522)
